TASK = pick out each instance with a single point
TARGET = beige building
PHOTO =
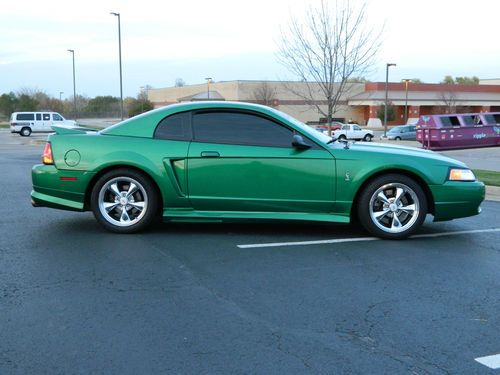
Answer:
(284, 96)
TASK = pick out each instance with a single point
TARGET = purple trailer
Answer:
(464, 130)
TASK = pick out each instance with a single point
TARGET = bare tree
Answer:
(449, 100)
(179, 82)
(331, 45)
(264, 94)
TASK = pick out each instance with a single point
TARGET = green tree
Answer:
(391, 112)
(26, 103)
(416, 80)
(8, 103)
(138, 106)
(449, 80)
(101, 104)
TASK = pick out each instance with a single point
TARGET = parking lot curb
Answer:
(493, 193)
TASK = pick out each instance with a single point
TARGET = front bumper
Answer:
(61, 189)
(456, 199)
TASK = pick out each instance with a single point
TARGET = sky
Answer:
(225, 40)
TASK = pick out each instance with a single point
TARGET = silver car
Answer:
(403, 132)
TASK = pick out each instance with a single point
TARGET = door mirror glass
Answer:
(299, 143)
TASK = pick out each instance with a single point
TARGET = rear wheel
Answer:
(25, 132)
(342, 137)
(397, 138)
(124, 201)
(392, 206)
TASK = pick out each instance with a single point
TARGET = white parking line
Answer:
(491, 361)
(360, 239)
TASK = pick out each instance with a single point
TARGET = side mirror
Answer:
(299, 143)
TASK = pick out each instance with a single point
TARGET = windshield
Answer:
(303, 127)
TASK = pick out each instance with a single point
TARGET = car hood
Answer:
(413, 152)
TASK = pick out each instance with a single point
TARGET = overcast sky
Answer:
(225, 40)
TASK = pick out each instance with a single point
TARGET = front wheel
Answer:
(392, 206)
(368, 138)
(397, 138)
(124, 201)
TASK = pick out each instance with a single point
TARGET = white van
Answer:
(25, 123)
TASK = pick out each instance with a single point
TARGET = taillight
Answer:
(47, 154)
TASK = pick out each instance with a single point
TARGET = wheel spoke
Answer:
(383, 197)
(132, 189)
(379, 215)
(124, 218)
(395, 222)
(409, 209)
(137, 205)
(108, 206)
(114, 189)
(399, 193)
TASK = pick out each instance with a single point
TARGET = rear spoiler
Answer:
(77, 130)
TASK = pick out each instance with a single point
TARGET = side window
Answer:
(346, 127)
(46, 117)
(57, 117)
(239, 128)
(25, 116)
(356, 127)
(175, 127)
(38, 116)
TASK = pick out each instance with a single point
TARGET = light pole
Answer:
(407, 82)
(74, 82)
(120, 59)
(208, 87)
(387, 66)
(60, 95)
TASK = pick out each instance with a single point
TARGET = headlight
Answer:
(461, 175)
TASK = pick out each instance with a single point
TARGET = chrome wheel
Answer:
(123, 201)
(394, 207)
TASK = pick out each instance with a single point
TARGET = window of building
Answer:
(233, 127)
(176, 127)
(25, 116)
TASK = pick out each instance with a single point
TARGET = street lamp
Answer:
(208, 87)
(60, 95)
(407, 82)
(120, 59)
(74, 84)
(387, 66)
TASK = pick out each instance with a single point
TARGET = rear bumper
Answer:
(59, 188)
(454, 200)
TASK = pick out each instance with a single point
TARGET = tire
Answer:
(120, 207)
(397, 138)
(382, 201)
(368, 138)
(342, 137)
(25, 132)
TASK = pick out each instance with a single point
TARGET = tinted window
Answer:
(46, 117)
(176, 127)
(239, 128)
(56, 117)
(356, 127)
(469, 120)
(38, 117)
(450, 121)
(26, 116)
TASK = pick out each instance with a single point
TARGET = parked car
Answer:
(223, 161)
(26, 123)
(353, 131)
(403, 132)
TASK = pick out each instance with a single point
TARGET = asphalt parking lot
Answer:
(239, 298)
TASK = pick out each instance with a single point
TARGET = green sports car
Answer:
(221, 161)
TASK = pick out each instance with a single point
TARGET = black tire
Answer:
(368, 138)
(397, 138)
(25, 132)
(342, 137)
(389, 216)
(116, 204)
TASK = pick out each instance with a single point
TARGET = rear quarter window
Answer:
(26, 116)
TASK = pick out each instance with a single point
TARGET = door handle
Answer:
(210, 154)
